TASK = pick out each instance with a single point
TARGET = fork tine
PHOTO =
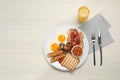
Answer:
(93, 36)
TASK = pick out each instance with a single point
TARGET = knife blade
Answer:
(100, 47)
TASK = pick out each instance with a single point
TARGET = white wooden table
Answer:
(24, 25)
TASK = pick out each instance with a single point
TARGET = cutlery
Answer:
(100, 47)
(93, 42)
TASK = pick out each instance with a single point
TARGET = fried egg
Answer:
(61, 38)
(54, 46)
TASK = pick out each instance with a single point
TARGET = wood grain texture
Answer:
(24, 25)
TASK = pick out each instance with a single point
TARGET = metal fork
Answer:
(93, 41)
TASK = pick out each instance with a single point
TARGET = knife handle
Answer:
(94, 60)
(101, 58)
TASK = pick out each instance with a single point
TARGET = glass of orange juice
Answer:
(83, 13)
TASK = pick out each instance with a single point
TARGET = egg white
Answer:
(55, 39)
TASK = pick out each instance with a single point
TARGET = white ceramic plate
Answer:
(52, 38)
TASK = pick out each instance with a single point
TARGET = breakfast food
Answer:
(70, 62)
(69, 49)
(61, 38)
(57, 58)
(77, 51)
(60, 60)
(54, 46)
(75, 37)
(55, 53)
(82, 43)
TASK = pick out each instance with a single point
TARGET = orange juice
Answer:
(83, 13)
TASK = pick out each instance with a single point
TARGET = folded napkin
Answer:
(93, 25)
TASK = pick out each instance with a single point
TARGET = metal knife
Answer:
(100, 46)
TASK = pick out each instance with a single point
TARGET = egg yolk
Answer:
(61, 38)
(54, 46)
